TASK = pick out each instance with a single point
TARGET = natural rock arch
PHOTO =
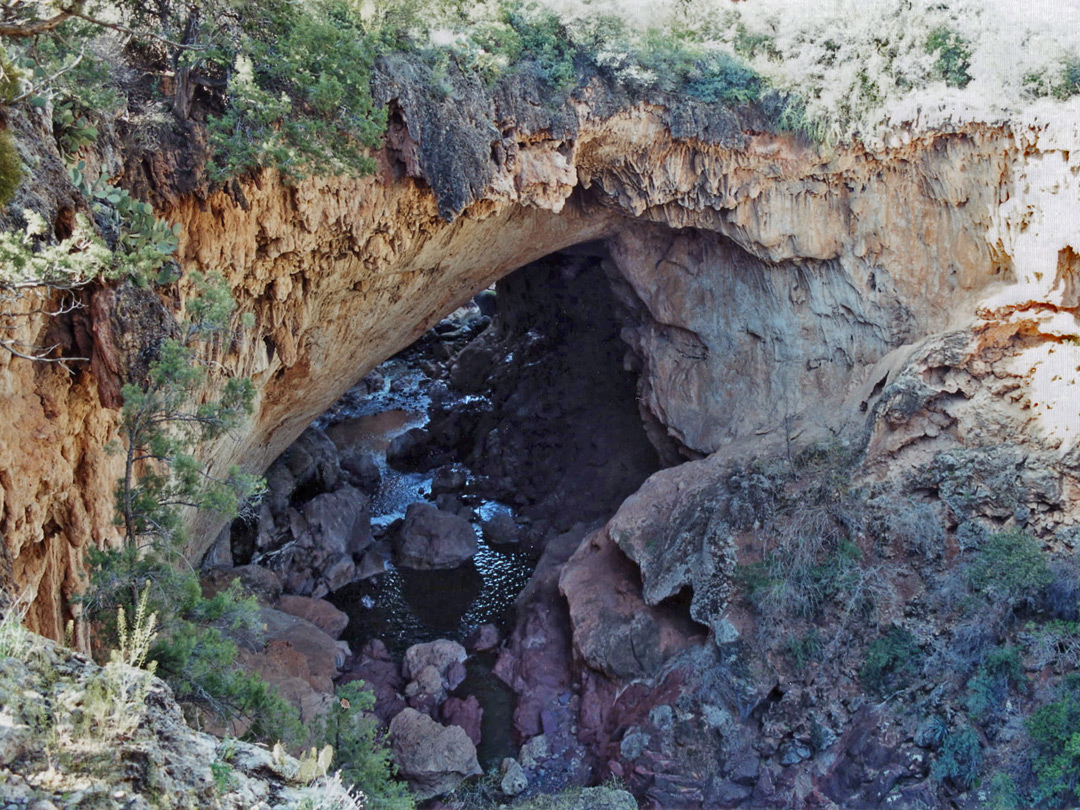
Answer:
(815, 272)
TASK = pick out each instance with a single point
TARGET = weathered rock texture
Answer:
(781, 292)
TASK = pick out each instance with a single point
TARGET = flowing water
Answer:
(403, 607)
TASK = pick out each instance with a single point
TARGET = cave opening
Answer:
(421, 502)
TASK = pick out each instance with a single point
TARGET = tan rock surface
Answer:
(802, 284)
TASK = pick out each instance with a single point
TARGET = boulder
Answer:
(467, 713)
(440, 654)
(320, 653)
(371, 564)
(615, 631)
(434, 759)
(313, 460)
(264, 584)
(340, 521)
(362, 469)
(338, 575)
(286, 670)
(407, 450)
(382, 675)
(317, 611)
(432, 539)
(434, 669)
(500, 529)
(472, 368)
(449, 479)
(513, 780)
(483, 638)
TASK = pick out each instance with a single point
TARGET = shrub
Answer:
(1069, 82)
(891, 662)
(913, 526)
(15, 640)
(1055, 643)
(1010, 567)
(1004, 794)
(960, 759)
(362, 753)
(990, 686)
(953, 56)
(300, 93)
(1055, 736)
(544, 41)
(804, 649)
(1062, 596)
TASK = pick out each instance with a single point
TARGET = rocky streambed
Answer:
(423, 512)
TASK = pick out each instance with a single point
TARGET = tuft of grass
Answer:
(15, 640)
(11, 170)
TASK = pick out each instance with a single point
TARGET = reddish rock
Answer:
(320, 654)
(536, 660)
(466, 713)
(377, 669)
(483, 638)
(317, 611)
(432, 539)
(263, 583)
(434, 759)
(615, 631)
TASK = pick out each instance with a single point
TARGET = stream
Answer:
(403, 607)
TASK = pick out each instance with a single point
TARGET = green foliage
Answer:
(953, 56)
(1004, 794)
(804, 649)
(544, 41)
(27, 260)
(960, 758)
(1055, 736)
(73, 130)
(11, 171)
(1069, 82)
(988, 689)
(672, 63)
(362, 753)
(1010, 568)
(195, 651)
(162, 421)
(9, 79)
(1061, 83)
(142, 245)
(15, 640)
(299, 94)
(223, 776)
(65, 68)
(891, 662)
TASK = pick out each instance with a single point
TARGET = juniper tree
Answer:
(162, 422)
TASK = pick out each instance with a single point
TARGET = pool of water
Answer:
(403, 607)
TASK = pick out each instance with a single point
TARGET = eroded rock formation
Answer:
(782, 293)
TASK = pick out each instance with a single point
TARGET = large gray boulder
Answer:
(433, 758)
(340, 521)
(433, 669)
(433, 539)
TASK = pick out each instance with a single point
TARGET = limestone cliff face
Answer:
(782, 292)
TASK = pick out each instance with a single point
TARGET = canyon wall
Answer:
(917, 297)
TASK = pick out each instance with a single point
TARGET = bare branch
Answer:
(123, 29)
(31, 28)
(33, 88)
